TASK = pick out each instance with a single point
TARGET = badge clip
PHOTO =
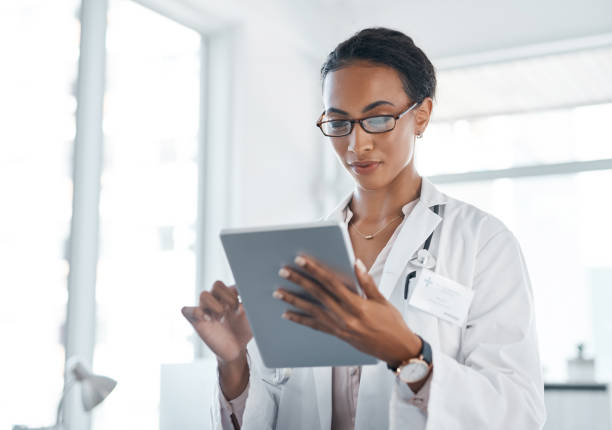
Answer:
(424, 259)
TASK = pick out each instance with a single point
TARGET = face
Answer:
(363, 90)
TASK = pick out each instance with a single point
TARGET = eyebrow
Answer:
(364, 110)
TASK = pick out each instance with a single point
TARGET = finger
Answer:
(318, 292)
(308, 321)
(303, 305)
(234, 290)
(225, 296)
(328, 279)
(367, 283)
(194, 314)
(209, 304)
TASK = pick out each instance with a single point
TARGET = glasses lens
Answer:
(336, 128)
(378, 124)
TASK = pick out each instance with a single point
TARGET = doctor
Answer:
(447, 305)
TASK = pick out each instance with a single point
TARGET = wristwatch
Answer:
(414, 369)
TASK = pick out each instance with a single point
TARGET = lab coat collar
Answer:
(430, 196)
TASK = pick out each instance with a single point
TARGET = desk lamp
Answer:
(94, 389)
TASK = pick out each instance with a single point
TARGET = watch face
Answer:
(414, 371)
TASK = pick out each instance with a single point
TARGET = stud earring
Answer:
(419, 135)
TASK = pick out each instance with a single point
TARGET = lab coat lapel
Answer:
(414, 232)
(323, 385)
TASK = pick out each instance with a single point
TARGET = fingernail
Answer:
(277, 294)
(285, 315)
(361, 266)
(188, 314)
(283, 273)
(206, 317)
(300, 261)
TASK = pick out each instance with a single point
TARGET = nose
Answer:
(359, 140)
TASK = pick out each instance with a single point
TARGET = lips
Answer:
(364, 167)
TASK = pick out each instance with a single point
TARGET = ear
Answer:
(422, 115)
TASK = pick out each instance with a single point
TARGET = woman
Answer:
(440, 368)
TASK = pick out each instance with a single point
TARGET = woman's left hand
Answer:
(371, 323)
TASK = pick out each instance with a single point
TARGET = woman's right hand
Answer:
(221, 322)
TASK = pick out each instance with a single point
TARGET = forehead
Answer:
(357, 85)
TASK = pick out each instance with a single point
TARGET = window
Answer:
(148, 208)
(561, 223)
(39, 42)
(516, 140)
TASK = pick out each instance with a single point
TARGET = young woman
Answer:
(468, 362)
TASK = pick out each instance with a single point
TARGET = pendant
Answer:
(368, 237)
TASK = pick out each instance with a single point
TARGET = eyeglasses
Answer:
(371, 124)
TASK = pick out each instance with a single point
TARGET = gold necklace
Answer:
(371, 236)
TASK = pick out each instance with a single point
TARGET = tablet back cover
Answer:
(255, 257)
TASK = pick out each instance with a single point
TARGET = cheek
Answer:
(398, 152)
(340, 148)
(403, 147)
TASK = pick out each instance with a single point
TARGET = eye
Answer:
(336, 127)
(338, 124)
(377, 123)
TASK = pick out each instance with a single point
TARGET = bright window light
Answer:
(39, 46)
(148, 202)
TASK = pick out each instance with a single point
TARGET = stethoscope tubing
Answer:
(426, 245)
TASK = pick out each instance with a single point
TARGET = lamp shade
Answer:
(94, 388)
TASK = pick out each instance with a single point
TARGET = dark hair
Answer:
(390, 48)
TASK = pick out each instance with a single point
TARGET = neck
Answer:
(374, 206)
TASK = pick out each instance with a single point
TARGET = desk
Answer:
(577, 406)
(186, 395)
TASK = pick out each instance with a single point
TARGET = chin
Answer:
(371, 183)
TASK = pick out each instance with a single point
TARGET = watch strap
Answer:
(426, 351)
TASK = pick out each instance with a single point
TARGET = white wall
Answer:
(279, 152)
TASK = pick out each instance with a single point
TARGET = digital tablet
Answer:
(255, 256)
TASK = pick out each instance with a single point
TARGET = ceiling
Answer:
(558, 53)
(448, 28)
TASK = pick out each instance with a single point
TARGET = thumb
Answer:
(366, 282)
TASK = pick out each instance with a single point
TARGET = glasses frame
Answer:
(320, 121)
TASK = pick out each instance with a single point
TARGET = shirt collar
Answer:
(348, 213)
(430, 196)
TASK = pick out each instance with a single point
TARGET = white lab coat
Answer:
(486, 373)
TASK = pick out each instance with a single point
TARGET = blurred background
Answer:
(132, 131)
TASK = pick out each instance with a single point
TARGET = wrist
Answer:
(407, 350)
(237, 363)
(233, 376)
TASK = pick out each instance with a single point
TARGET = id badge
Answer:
(441, 297)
